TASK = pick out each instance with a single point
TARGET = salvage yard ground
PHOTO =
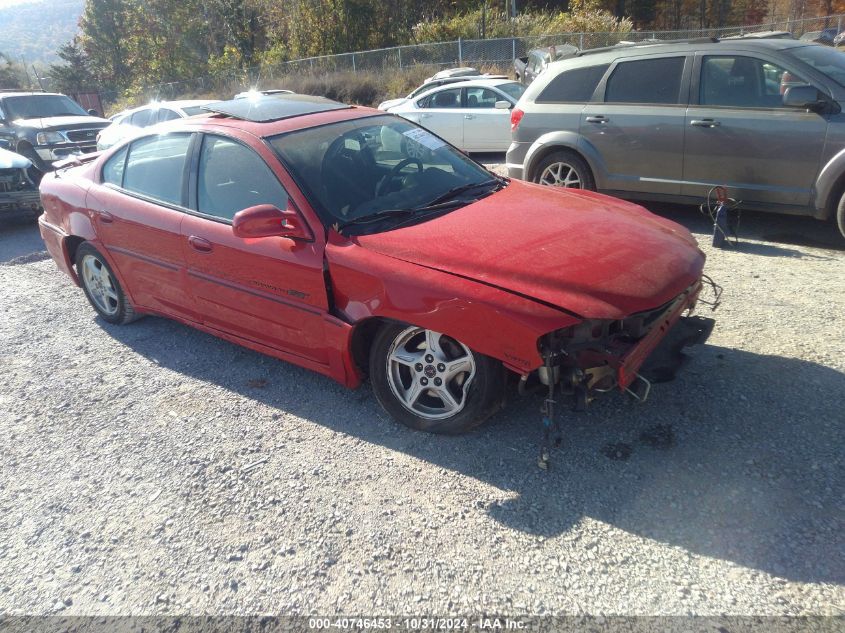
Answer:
(155, 469)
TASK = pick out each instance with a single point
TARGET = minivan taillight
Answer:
(516, 117)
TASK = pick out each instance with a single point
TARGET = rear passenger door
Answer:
(486, 128)
(739, 134)
(138, 210)
(636, 132)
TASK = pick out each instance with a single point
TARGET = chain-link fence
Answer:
(486, 53)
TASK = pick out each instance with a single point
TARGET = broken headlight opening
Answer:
(597, 356)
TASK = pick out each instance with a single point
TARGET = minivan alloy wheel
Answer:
(561, 175)
(430, 373)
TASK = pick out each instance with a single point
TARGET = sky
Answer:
(11, 3)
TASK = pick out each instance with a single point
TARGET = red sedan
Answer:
(354, 243)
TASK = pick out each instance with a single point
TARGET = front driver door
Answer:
(442, 113)
(268, 290)
(739, 134)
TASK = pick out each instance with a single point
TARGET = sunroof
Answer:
(263, 108)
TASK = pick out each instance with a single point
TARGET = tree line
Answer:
(130, 43)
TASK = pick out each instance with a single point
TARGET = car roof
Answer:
(709, 45)
(29, 93)
(472, 83)
(179, 103)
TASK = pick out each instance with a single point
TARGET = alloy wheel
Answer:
(430, 373)
(561, 175)
(100, 285)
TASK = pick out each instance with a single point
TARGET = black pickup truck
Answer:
(527, 68)
(47, 127)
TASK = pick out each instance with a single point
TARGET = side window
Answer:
(113, 169)
(143, 118)
(481, 98)
(444, 99)
(166, 114)
(233, 177)
(573, 86)
(155, 167)
(743, 82)
(646, 81)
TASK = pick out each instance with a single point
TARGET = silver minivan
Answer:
(667, 122)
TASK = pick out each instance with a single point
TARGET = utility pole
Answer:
(513, 8)
(23, 65)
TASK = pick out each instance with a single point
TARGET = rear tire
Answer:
(101, 286)
(840, 215)
(565, 169)
(431, 382)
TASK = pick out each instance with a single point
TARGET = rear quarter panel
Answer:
(66, 216)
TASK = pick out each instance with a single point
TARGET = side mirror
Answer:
(265, 220)
(803, 97)
(503, 105)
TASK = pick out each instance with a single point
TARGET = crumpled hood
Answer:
(11, 160)
(586, 253)
(64, 122)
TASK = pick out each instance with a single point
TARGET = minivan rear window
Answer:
(646, 81)
(573, 86)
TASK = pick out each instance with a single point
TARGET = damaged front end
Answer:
(597, 356)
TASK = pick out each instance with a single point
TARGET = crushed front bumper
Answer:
(599, 356)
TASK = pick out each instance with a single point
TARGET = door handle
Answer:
(424, 115)
(469, 116)
(597, 119)
(704, 123)
(199, 244)
(105, 217)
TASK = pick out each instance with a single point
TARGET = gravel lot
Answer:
(154, 469)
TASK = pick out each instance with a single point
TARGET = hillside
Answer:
(36, 29)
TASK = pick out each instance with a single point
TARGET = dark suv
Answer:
(47, 127)
(670, 121)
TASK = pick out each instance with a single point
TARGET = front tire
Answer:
(101, 286)
(565, 169)
(432, 382)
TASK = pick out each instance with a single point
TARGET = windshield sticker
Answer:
(424, 138)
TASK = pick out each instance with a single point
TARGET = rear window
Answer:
(646, 81)
(573, 86)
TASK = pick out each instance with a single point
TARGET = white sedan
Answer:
(473, 115)
(131, 122)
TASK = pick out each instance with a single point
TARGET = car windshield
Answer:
(353, 170)
(41, 106)
(512, 89)
(824, 59)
